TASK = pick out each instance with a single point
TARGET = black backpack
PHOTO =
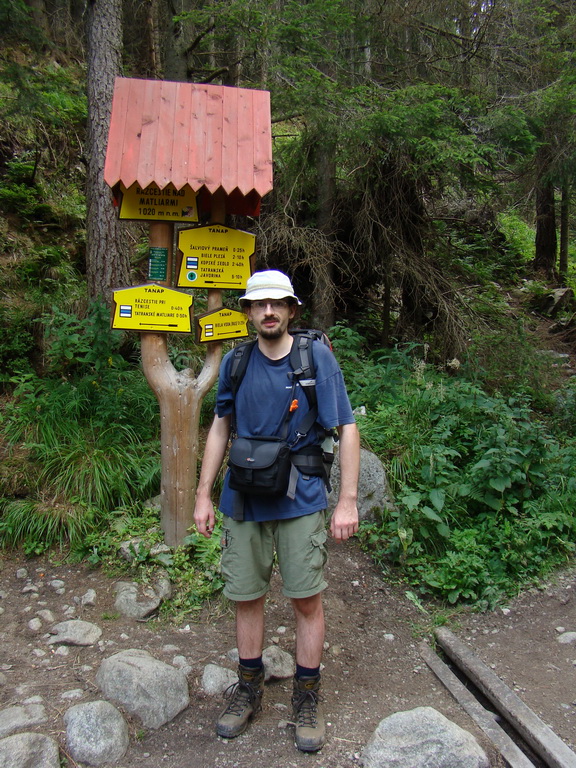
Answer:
(310, 461)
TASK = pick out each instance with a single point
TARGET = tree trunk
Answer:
(107, 258)
(323, 268)
(180, 397)
(152, 21)
(546, 241)
(39, 15)
(564, 229)
(175, 38)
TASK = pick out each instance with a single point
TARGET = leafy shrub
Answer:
(74, 344)
(480, 487)
(370, 378)
(518, 233)
(19, 198)
(564, 410)
(17, 344)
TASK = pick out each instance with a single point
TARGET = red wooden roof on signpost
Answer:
(207, 136)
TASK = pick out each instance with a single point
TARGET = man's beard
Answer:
(274, 333)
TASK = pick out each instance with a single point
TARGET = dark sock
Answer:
(252, 663)
(307, 671)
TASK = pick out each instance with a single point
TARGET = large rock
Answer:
(373, 491)
(18, 718)
(554, 301)
(75, 632)
(129, 605)
(422, 738)
(217, 679)
(278, 664)
(150, 689)
(96, 733)
(29, 750)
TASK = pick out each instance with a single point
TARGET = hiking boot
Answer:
(245, 699)
(308, 716)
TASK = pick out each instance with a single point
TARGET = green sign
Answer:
(158, 263)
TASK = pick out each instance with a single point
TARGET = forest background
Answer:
(424, 164)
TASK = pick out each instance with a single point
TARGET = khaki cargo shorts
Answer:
(248, 555)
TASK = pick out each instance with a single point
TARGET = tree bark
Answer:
(323, 269)
(564, 229)
(107, 258)
(546, 240)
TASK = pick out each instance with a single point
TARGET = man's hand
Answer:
(204, 516)
(344, 522)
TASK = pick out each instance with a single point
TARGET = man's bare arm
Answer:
(344, 522)
(214, 453)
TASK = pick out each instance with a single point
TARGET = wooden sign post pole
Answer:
(180, 397)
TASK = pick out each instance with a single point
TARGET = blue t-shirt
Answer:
(262, 402)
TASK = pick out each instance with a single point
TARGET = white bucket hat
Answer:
(268, 284)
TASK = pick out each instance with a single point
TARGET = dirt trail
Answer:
(372, 664)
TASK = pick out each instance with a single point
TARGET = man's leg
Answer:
(301, 547)
(310, 731)
(309, 613)
(250, 627)
(247, 556)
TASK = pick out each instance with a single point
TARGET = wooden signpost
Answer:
(178, 152)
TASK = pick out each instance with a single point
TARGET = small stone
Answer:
(35, 625)
(180, 662)
(88, 598)
(62, 650)
(46, 616)
(567, 638)
(389, 637)
(57, 584)
(21, 573)
(560, 630)
(76, 693)
(281, 630)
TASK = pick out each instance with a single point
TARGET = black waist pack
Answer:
(259, 466)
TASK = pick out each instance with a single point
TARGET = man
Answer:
(295, 528)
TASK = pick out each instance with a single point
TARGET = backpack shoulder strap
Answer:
(302, 364)
(239, 363)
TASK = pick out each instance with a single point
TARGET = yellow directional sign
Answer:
(221, 324)
(152, 308)
(155, 204)
(215, 256)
